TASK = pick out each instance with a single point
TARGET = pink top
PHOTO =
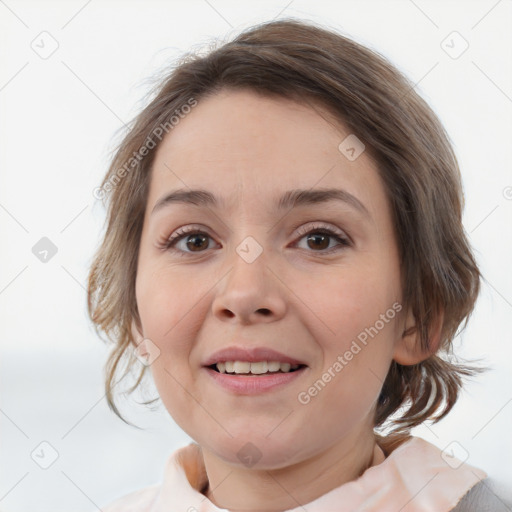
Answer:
(415, 477)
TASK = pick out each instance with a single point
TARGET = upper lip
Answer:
(251, 355)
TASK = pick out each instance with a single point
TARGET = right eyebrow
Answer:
(196, 197)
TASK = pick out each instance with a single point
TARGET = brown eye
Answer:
(323, 240)
(318, 241)
(197, 242)
(187, 241)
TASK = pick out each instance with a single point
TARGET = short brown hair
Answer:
(304, 62)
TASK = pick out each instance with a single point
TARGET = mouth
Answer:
(244, 370)
(254, 368)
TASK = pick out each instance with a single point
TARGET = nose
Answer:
(250, 293)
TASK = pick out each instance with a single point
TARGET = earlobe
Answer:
(137, 336)
(141, 348)
(409, 350)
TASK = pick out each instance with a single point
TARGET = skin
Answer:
(296, 297)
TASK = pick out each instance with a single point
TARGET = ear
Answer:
(137, 335)
(408, 349)
(141, 348)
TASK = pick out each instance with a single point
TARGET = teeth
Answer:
(273, 366)
(258, 368)
(241, 367)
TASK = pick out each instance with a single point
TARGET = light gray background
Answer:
(59, 115)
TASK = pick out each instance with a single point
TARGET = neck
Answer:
(281, 489)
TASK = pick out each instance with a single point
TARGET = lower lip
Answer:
(247, 385)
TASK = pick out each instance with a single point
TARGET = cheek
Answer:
(354, 323)
(163, 317)
(344, 390)
(167, 303)
(169, 306)
(343, 305)
(172, 383)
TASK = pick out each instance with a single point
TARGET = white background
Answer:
(58, 119)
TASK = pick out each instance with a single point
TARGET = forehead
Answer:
(248, 149)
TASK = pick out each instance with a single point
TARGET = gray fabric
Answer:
(483, 498)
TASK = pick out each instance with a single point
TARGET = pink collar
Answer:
(413, 478)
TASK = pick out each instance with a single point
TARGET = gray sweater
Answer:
(483, 498)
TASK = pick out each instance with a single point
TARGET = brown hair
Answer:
(304, 62)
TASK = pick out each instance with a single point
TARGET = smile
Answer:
(242, 381)
(254, 368)
(244, 370)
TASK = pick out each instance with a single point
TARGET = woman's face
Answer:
(267, 266)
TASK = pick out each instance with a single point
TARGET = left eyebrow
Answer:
(298, 197)
(289, 200)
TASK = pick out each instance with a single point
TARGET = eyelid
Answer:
(304, 229)
(189, 229)
(314, 226)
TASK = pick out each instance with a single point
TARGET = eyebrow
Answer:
(290, 199)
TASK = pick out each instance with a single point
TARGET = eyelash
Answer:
(343, 241)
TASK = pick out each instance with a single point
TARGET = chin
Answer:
(255, 450)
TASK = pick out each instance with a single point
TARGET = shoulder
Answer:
(138, 501)
(484, 497)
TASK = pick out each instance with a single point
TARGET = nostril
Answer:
(264, 311)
